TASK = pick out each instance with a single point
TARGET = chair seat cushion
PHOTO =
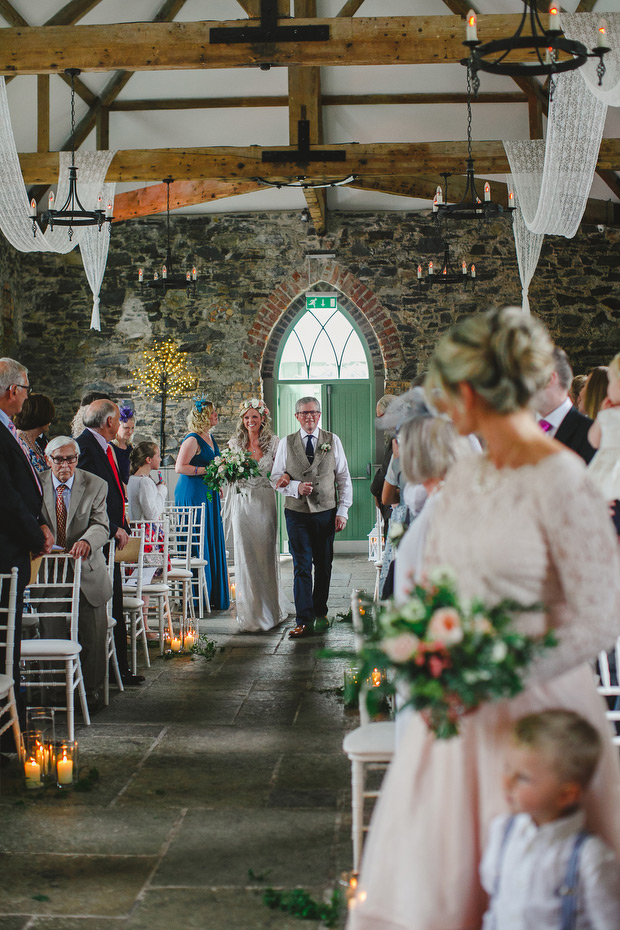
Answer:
(179, 574)
(373, 739)
(6, 683)
(198, 563)
(132, 603)
(156, 588)
(49, 649)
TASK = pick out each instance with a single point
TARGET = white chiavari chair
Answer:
(369, 745)
(8, 704)
(55, 597)
(131, 559)
(157, 589)
(188, 554)
(609, 690)
(110, 645)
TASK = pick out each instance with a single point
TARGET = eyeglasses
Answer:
(24, 387)
(308, 413)
(59, 459)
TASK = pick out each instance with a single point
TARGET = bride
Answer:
(523, 522)
(255, 525)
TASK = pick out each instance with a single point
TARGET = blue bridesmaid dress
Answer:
(191, 491)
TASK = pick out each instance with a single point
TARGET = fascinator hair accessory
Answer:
(126, 412)
(254, 403)
(408, 406)
(201, 402)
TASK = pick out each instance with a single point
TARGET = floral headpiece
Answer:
(201, 402)
(254, 404)
(126, 412)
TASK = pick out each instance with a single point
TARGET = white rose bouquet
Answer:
(232, 466)
(446, 656)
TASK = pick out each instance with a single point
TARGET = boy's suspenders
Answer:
(568, 889)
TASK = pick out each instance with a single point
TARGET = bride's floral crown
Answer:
(254, 404)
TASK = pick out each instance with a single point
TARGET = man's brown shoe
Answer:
(301, 630)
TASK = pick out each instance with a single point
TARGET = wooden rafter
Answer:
(245, 163)
(146, 201)
(161, 46)
(327, 100)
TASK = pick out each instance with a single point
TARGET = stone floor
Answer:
(216, 780)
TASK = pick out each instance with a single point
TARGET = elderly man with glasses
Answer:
(22, 529)
(74, 505)
(310, 467)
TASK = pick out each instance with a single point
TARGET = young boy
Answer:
(542, 871)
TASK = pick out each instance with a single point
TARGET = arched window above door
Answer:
(323, 346)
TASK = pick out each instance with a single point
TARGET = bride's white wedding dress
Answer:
(260, 605)
(536, 534)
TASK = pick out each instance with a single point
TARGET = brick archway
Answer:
(281, 307)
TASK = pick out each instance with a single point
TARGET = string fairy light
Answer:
(164, 373)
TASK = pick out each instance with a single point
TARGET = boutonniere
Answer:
(325, 446)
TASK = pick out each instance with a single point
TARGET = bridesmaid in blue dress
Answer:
(197, 450)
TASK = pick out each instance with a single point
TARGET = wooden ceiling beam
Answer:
(43, 113)
(245, 163)
(72, 12)
(350, 8)
(146, 201)
(161, 46)
(327, 100)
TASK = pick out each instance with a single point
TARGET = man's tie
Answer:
(112, 462)
(309, 449)
(61, 516)
(24, 448)
(545, 425)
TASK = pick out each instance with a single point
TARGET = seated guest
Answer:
(32, 422)
(595, 391)
(74, 506)
(576, 391)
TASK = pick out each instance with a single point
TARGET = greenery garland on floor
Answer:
(298, 903)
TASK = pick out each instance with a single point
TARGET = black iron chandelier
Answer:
(471, 206)
(72, 213)
(169, 281)
(306, 183)
(447, 273)
(543, 45)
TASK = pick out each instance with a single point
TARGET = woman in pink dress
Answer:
(524, 522)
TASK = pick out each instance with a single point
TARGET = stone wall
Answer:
(252, 271)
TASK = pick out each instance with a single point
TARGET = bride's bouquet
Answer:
(230, 467)
(446, 656)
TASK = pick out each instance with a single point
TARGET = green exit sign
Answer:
(321, 302)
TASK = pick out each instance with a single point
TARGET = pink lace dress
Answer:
(539, 533)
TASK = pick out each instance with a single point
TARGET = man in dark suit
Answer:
(74, 506)
(22, 530)
(556, 413)
(101, 421)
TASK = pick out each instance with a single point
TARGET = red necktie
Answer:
(545, 425)
(112, 462)
(61, 516)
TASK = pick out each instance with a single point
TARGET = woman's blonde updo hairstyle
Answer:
(199, 416)
(505, 356)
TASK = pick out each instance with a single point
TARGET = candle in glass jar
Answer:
(64, 767)
(175, 644)
(32, 771)
(375, 677)
(233, 590)
(188, 642)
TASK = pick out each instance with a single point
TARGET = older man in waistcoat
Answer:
(311, 470)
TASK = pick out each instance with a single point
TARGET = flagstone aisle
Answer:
(216, 780)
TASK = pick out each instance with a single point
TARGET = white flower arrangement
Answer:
(325, 446)
(254, 403)
(396, 532)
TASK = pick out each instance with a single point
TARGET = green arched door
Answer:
(323, 355)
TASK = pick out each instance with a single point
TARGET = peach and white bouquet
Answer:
(446, 656)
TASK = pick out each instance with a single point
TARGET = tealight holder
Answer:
(377, 677)
(190, 634)
(233, 590)
(32, 758)
(349, 884)
(66, 763)
(42, 719)
(351, 687)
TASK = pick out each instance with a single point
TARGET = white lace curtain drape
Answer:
(16, 223)
(552, 179)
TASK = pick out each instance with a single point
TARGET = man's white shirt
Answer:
(341, 473)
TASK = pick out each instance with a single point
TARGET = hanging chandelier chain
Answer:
(469, 111)
(72, 118)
